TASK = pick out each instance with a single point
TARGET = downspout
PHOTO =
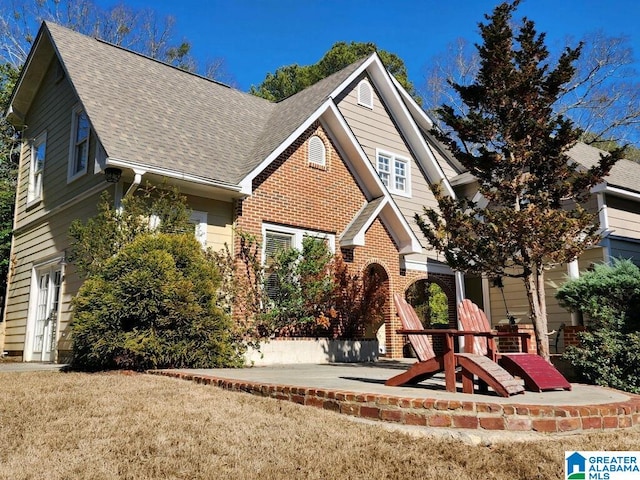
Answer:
(573, 272)
(136, 182)
(604, 226)
(57, 333)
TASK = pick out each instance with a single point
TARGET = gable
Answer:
(377, 132)
(292, 192)
(149, 114)
(298, 194)
(50, 114)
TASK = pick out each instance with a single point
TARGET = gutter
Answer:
(617, 192)
(143, 169)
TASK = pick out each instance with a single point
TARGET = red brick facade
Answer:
(292, 193)
(512, 344)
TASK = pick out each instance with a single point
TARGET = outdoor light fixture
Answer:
(112, 175)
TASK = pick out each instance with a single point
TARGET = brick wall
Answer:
(290, 192)
(570, 333)
(513, 345)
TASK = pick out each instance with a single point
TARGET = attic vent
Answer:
(365, 94)
(317, 152)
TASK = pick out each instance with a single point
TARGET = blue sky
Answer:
(255, 37)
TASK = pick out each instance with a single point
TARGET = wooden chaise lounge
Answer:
(538, 374)
(488, 372)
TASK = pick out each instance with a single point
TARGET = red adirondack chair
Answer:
(429, 363)
(538, 374)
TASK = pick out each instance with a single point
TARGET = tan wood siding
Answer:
(624, 217)
(446, 167)
(52, 112)
(43, 241)
(518, 305)
(219, 221)
(375, 129)
(590, 257)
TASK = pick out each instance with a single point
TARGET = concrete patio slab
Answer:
(359, 390)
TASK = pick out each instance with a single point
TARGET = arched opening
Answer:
(430, 302)
(376, 292)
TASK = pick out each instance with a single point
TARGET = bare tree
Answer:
(140, 30)
(603, 97)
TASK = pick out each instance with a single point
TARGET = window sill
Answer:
(317, 166)
(31, 204)
(399, 193)
(76, 176)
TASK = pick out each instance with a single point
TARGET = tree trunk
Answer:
(534, 284)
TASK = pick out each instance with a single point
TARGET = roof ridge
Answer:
(147, 57)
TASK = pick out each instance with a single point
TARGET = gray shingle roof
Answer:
(624, 174)
(150, 113)
(362, 218)
(291, 112)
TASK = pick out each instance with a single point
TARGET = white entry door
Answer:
(46, 314)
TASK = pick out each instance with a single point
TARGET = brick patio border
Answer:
(438, 413)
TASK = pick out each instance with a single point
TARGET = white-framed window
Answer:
(199, 220)
(365, 94)
(317, 152)
(395, 172)
(278, 237)
(38, 150)
(79, 148)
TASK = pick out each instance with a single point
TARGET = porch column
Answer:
(573, 272)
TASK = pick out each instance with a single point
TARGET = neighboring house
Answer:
(346, 159)
(617, 203)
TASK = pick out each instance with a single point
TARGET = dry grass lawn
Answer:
(102, 426)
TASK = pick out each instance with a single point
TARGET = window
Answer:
(199, 220)
(394, 171)
(38, 153)
(79, 155)
(274, 242)
(365, 94)
(277, 238)
(317, 152)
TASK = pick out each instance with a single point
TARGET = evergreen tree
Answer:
(9, 157)
(291, 79)
(513, 143)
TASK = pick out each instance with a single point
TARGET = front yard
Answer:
(113, 425)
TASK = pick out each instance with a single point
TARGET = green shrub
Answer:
(153, 305)
(308, 292)
(299, 287)
(609, 351)
(102, 236)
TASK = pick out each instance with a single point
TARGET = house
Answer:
(347, 160)
(617, 203)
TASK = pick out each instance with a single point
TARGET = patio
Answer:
(359, 390)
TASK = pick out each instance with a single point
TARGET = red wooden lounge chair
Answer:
(429, 363)
(538, 374)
